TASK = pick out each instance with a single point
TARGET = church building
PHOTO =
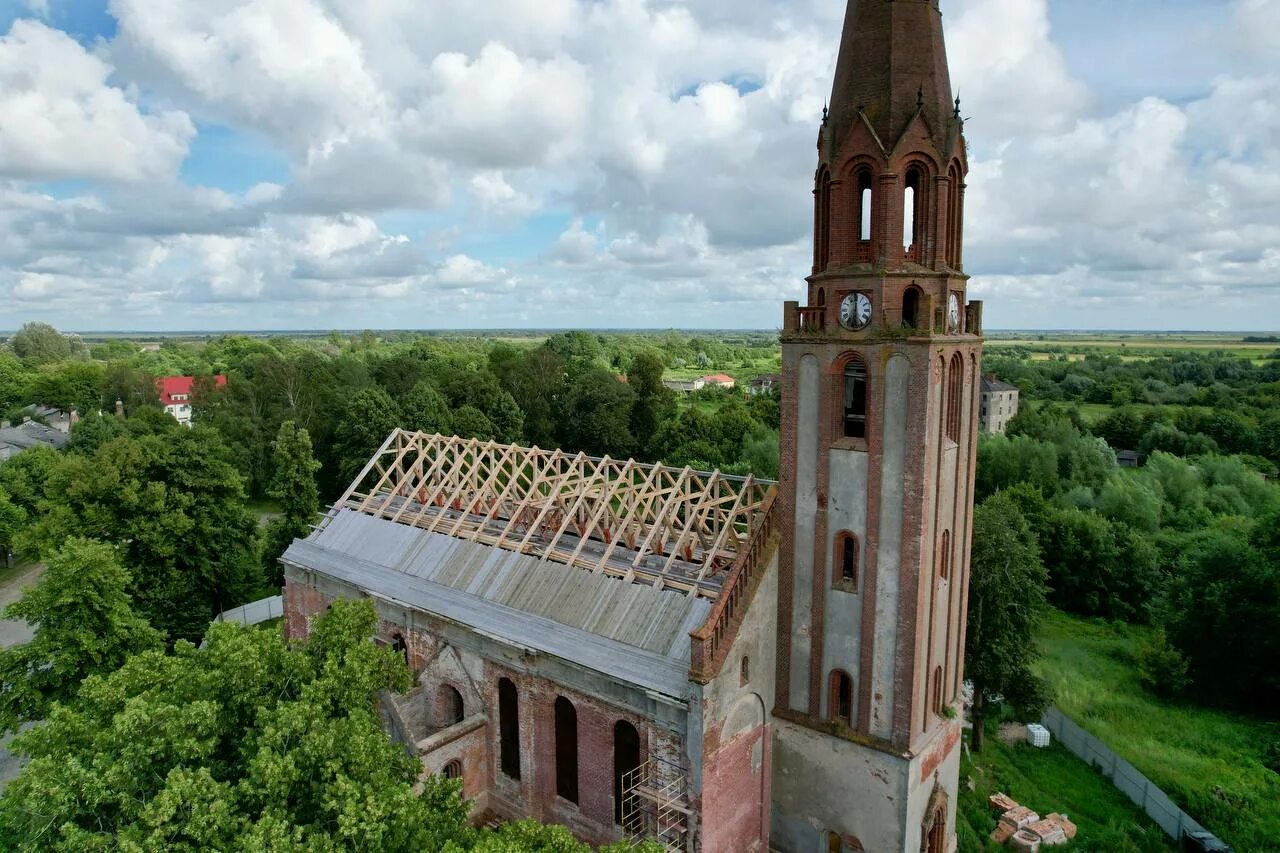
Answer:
(720, 663)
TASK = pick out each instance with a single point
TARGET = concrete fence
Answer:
(255, 612)
(1123, 775)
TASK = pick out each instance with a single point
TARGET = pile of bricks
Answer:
(1024, 830)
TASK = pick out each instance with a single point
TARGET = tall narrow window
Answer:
(508, 728)
(864, 205)
(566, 749)
(937, 691)
(822, 222)
(847, 560)
(855, 400)
(840, 700)
(954, 218)
(955, 388)
(944, 560)
(913, 214)
(744, 676)
(626, 758)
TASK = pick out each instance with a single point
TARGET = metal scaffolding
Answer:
(655, 806)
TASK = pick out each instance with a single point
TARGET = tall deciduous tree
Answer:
(1006, 601)
(367, 419)
(175, 505)
(40, 342)
(84, 625)
(13, 519)
(294, 486)
(597, 415)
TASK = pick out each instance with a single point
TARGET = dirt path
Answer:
(14, 632)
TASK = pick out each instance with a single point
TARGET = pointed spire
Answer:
(886, 46)
(824, 113)
(957, 112)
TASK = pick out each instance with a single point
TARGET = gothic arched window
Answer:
(913, 214)
(911, 307)
(847, 561)
(566, 749)
(508, 728)
(864, 205)
(822, 221)
(840, 700)
(955, 389)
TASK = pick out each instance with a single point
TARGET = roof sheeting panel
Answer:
(636, 615)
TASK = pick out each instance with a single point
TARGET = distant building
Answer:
(53, 416)
(28, 434)
(1128, 458)
(719, 380)
(175, 395)
(764, 384)
(685, 386)
(149, 348)
(999, 405)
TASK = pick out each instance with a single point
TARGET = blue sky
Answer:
(209, 164)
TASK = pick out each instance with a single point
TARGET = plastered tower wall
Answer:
(878, 444)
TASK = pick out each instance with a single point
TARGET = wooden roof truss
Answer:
(674, 528)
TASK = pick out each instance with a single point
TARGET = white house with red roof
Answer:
(175, 395)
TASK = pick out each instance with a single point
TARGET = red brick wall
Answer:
(735, 793)
(591, 819)
(301, 602)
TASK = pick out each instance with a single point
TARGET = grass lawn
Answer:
(1046, 781)
(265, 509)
(1209, 762)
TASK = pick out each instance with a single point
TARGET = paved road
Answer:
(12, 633)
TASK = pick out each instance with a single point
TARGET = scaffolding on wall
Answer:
(655, 806)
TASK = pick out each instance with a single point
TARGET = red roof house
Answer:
(175, 394)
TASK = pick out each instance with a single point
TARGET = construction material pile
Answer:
(1024, 830)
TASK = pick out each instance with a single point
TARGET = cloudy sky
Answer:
(241, 164)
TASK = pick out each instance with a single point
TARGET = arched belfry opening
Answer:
(864, 218)
(913, 206)
(911, 307)
(822, 221)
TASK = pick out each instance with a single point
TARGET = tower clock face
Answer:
(953, 314)
(855, 311)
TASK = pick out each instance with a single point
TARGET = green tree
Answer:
(597, 415)
(654, 401)
(294, 486)
(470, 422)
(94, 430)
(175, 505)
(14, 379)
(426, 410)
(69, 385)
(84, 625)
(537, 382)
(42, 344)
(246, 744)
(367, 419)
(1006, 601)
(13, 520)
(1005, 462)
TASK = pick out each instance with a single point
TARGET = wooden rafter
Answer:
(673, 528)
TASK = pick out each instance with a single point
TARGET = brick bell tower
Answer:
(879, 438)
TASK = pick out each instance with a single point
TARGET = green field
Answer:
(1050, 780)
(1210, 762)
